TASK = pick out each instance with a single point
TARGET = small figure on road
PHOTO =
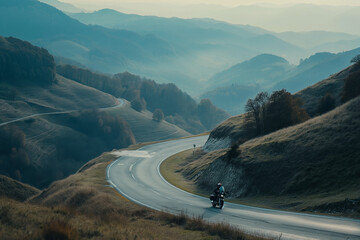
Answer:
(219, 190)
(217, 198)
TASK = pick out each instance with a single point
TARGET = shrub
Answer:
(158, 115)
(13, 157)
(138, 104)
(327, 103)
(352, 85)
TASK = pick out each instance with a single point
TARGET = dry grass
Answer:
(313, 166)
(173, 167)
(16, 190)
(82, 206)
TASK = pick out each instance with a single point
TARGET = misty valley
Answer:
(119, 124)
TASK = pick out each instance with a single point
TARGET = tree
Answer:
(158, 115)
(352, 85)
(327, 103)
(138, 104)
(279, 110)
(257, 110)
(283, 110)
(355, 59)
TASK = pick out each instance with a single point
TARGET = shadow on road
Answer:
(211, 212)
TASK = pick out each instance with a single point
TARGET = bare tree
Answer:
(257, 109)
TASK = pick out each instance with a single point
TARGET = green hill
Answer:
(61, 124)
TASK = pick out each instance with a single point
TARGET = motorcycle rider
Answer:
(219, 190)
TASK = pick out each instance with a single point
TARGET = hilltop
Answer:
(312, 95)
(312, 166)
(10, 188)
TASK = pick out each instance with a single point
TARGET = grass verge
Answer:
(83, 206)
(182, 168)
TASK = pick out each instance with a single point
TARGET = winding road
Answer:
(121, 103)
(136, 176)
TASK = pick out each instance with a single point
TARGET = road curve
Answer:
(136, 176)
(121, 102)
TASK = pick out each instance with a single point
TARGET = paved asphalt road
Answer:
(136, 176)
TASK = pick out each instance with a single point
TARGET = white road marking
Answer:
(130, 168)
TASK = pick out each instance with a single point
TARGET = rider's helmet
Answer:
(219, 185)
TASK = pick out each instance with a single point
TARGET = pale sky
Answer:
(230, 3)
(335, 19)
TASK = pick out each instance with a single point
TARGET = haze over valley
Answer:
(105, 106)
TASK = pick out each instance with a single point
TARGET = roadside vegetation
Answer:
(83, 207)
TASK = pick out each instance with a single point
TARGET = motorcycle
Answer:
(217, 200)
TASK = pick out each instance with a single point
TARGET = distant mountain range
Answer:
(231, 88)
(186, 52)
(275, 17)
(65, 7)
(202, 45)
(96, 47)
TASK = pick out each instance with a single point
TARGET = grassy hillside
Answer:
(56, 145)
(178, 107)
(82, 206)
(47, 147)
(144, 128)
(234, 127)
(311, 96)
(60, 124)
(311, 166)
(13, 189)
